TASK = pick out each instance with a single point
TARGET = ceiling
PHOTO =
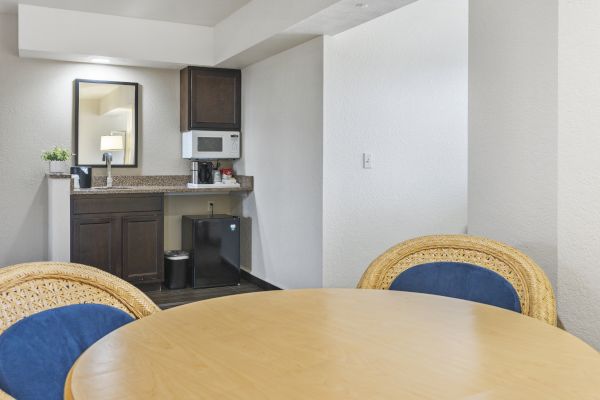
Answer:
(197, 12)
(346, 14)
(245, 31)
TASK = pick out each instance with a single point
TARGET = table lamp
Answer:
(111, 143)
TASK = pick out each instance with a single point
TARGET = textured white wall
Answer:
(513, 125)
(36, 112)
(579, 169)
(282, 121)
(395, 87)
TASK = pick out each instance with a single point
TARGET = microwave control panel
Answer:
(235, 144)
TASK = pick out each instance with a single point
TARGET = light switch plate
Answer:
(367, 161)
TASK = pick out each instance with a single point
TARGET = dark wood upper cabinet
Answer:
(210, 99)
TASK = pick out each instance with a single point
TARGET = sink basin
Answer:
(112, 187)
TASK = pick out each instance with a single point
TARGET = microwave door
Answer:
(210, 144)
(209, 147)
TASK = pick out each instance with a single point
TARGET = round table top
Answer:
(336, 344)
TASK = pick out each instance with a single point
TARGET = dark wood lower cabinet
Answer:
(95, 241)
(143, 248)
(120, 234)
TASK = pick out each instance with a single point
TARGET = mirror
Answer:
(106, 118)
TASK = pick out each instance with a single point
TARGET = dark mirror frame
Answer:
(76, 130)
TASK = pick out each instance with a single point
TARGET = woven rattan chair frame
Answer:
(26, 289)
(529, 280)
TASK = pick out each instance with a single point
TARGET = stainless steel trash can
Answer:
(176, 269)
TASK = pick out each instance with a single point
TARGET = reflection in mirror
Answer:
(106, 122)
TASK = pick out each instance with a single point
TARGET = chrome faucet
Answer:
(107, 157)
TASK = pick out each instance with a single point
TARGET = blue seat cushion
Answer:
(37, 352)
(461, 281)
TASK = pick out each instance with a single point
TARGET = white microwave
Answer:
(210, 145)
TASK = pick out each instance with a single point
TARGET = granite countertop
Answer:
(58, 176)
(158, 184)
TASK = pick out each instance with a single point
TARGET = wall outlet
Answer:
(367, 161)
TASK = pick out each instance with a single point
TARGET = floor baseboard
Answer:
(257, 281)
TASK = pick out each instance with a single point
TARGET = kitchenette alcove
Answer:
(124, 230)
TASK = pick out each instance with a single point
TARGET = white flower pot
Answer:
(59, 167)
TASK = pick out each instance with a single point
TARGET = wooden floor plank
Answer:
(167, 298)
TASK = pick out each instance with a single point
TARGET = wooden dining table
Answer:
(336, 344)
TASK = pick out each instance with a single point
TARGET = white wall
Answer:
(579, 169)
(395, 87)
(513, 125)
(282, 120)
(36, 112)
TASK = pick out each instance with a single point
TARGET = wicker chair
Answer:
(27, 289)
(532, 286)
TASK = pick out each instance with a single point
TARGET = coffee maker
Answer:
(201, 172)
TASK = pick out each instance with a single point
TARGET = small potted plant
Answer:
(57, 158)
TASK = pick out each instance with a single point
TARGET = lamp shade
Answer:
(108, 143)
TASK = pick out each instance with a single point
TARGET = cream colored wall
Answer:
(36, 112)
(513, 126)
(395, 87)
(534, 181)
(178, 205)
(282, 139)
(578, 169)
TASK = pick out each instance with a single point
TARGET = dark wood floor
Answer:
(166, 298)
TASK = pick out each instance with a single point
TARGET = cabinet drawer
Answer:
(116, 204)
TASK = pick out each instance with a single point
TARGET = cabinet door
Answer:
(142, 248)
(214, 99)
(95, 241)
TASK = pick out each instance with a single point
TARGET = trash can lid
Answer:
(177, 255)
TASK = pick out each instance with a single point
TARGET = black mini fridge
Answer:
(213, 243)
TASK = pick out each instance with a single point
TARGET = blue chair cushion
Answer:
(459, 280)
(37, 352)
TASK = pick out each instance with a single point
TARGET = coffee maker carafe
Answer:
(205, 172)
